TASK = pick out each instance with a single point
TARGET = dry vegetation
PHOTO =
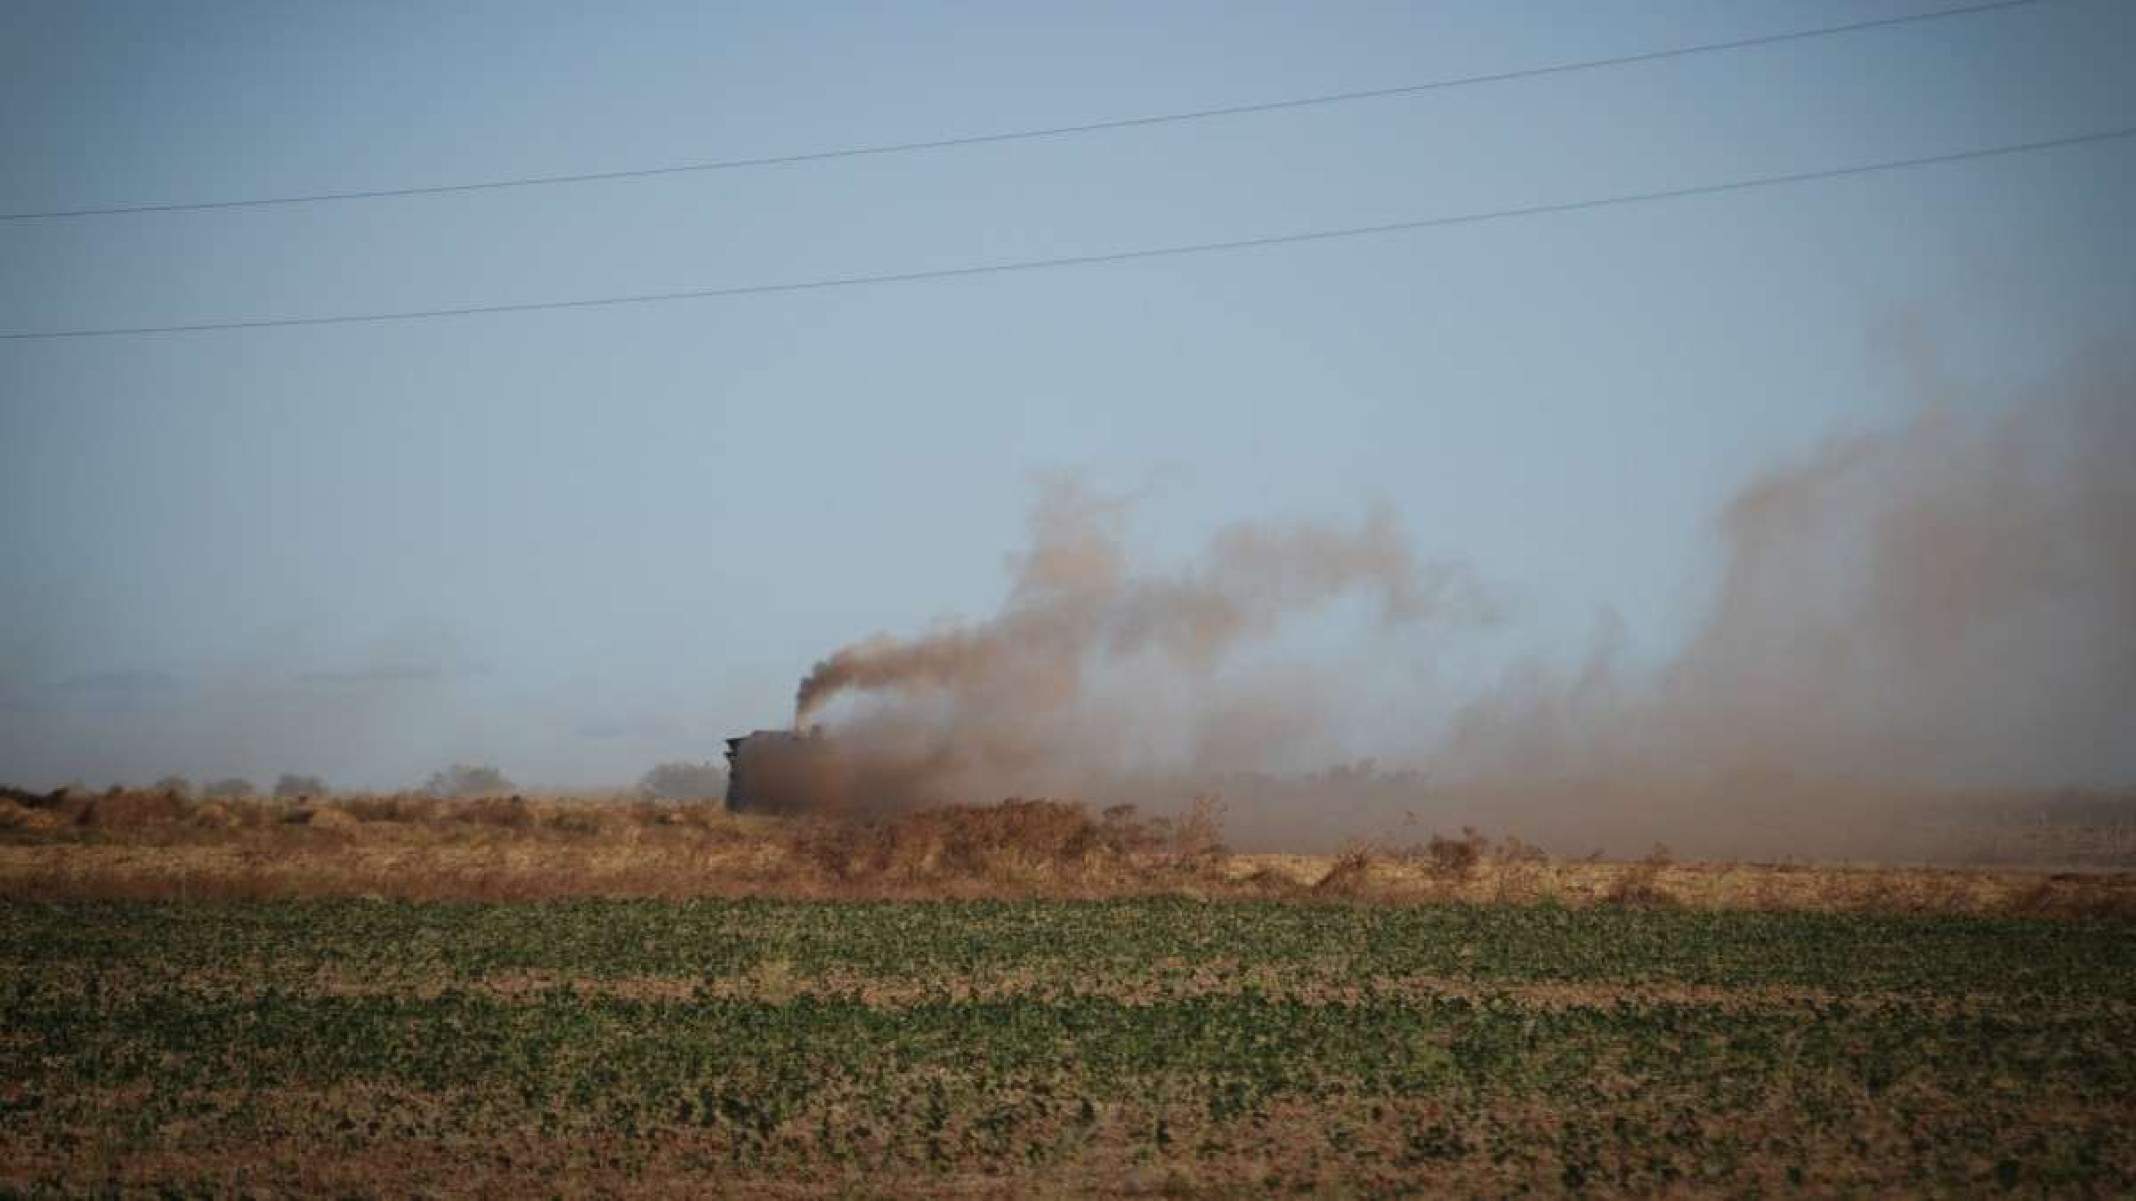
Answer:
(163, 845)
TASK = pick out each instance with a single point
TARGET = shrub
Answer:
(512, 812)
(1122, 831)
(1347, 875)
(1199, 832)
(976, 844)
(467, 780)
(1513, 850)
(232, 788)
(324, 817)
(177, 786)
(397, 807)
(215, 816)
(17, 816)
(1640, 883)
(120, 809)
(684, 781)
(289, 786)
(32, 800)
(1455, 857)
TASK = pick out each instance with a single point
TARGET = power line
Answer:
(1054, 131)
(1086, 260)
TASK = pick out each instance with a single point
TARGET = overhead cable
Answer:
(1086, 260)
(1053, 131)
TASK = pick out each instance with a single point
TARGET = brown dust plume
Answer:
(1933, 617)
(1007, 703)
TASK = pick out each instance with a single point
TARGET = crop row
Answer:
(997, 1084)
(909, 941)
(589, 1047)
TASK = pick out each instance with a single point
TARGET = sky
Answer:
(576, 543)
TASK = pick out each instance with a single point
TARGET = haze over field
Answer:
(1724, 517)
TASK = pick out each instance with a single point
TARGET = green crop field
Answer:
(1057, 1048)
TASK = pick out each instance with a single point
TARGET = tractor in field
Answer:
(779, 771)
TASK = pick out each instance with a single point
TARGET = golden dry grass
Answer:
(158, 846)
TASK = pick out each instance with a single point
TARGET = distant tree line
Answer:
(678, 780)
(288, 786)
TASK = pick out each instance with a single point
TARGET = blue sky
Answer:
(576, 543)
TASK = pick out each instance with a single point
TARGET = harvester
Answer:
(779, 771)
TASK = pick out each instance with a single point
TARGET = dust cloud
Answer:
(1945, 608)
(1062, 690)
